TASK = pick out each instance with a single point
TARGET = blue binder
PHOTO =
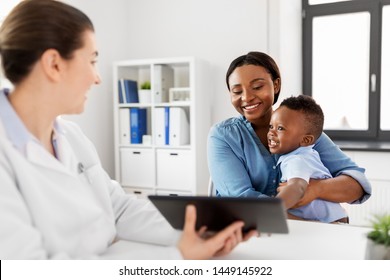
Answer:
(166, 114)
(120, 93)
(138, 126)
(131, 90)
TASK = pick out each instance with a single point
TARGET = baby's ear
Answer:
(307, 140)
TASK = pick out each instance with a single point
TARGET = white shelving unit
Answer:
(149, 168)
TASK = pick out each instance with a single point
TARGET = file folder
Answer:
(179, 130)
(131, 91)
(163, 81)
(159, 121)
(138, 126)
(124, 126)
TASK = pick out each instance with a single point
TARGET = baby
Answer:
(294, 128)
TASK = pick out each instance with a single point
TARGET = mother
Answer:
(238, 156)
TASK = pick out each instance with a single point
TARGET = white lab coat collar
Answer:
(66, 163)
(12, 126)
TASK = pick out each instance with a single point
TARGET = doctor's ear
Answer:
(307, 140)
(51, 62)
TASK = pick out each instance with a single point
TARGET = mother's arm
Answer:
(227, 168)
(349, 184)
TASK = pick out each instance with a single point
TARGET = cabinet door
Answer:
(174, 193)
(174, 170)
(139, 192)
(137, 168)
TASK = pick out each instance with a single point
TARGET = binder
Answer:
(166, 124)
(131, 91)
(159, 121)
(121, 92)
(162, 126)
(163, 81)
(138, 126)
(124, 126)
(179, 128)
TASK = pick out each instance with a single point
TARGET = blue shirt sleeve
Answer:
(339, 163)
(239, 164)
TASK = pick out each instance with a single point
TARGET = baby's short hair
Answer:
(312, 112)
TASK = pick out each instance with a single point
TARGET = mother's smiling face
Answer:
(252, 91)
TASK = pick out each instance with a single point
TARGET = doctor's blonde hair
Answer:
(35, 26)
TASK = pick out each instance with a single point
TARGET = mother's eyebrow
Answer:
(257, 79)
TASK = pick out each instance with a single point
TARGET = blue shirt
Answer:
(240, 165)
(16, 131)
(305, 163)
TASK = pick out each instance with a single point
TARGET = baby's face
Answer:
(286, 130)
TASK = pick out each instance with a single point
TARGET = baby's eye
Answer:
(280, 128)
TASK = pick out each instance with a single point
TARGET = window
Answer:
(346, 51)
(385, 69)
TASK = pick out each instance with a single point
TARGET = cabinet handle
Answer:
(174, 154)
(373, 83)
(136, 153)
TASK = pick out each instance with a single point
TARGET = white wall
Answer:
(217, 31)
(109, 19)
(285, 43)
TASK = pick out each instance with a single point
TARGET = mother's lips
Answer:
(251, 107)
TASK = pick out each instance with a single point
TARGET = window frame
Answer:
(374, 8)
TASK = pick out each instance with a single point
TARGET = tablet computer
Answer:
(267, 215)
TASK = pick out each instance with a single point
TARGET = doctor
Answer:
(56, 201)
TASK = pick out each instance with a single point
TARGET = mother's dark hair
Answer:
(258, 59)
(35, 26)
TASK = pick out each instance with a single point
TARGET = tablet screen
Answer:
(267, 215)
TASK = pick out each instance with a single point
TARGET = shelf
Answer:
(172, 117)
(174, 104)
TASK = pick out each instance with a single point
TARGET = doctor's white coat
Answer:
(71, 209)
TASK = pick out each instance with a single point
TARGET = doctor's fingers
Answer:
(190, 219)
(229, 236)
(230, 243)
(250, 234)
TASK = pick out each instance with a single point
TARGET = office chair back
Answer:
(211, 188)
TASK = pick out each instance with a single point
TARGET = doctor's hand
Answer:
(193, 245)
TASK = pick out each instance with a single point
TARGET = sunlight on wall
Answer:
(6, 6)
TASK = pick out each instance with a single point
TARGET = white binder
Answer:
(163, 81)
(124, 126)
(179, 128)
(159, 121)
